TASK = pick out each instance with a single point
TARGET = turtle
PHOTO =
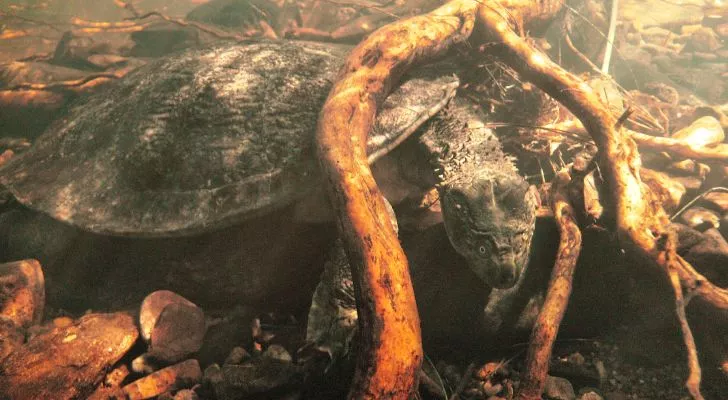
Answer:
(197, 173)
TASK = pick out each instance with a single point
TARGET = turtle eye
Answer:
(482, 250)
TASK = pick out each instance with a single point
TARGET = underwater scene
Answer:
(364, 199)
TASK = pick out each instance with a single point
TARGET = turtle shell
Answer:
(202, 139)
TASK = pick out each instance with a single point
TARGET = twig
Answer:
(557, 298)
(137, 15)
(579, 54)
(62, 84)
(610, 37)
(694, 377)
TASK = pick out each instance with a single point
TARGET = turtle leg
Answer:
(29, 234)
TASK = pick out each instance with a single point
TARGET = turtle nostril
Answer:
(504, 249)
(507, 275)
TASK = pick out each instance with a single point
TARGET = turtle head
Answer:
(490, 221)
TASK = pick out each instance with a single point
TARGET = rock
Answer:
(174, 326)
(73, 51)
(718, 201)
(68, 362)
(601, 371)
(277, 352)
(117, 376)
(225, 332)
(696, 217)
(492, 369)
(576, 371)
(576, 359)
(590, 395)
(703, 40)
(106, 61)
(690, 167)
(239, 15)
(179, 376)
(655, 34)
(722, 30)
(690, 183)
(703, 131)
(62, 322)
(6, 156)
(255, 378)
(710, 256)
(152, 308)
(22, 292)
(615, 396)
(558, 389)
(650, 13)
(144, 364)
(111, 387)
(186, 394)
(160, 40)
(214, 378)
(490, 389)
(237, 356)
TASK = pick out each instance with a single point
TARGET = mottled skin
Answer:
(488, 209)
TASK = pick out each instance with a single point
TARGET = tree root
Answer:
(557, 298)
(391, 346)
(682, 148)
(138, 16)
(640, 221)
(678, 147)
(75, 85)
(391, 349)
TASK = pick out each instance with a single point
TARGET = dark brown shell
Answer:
(202, 139)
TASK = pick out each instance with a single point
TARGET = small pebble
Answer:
(277, 352)
(590, 396)
(186, 394)
(489, 389)
(558, 389)
(576, 359)
(183, 375)
(237, 356)
(700, 217)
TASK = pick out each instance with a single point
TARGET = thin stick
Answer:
(694, 377)
(610, 37)
(557, 298)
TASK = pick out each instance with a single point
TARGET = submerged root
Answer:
(391, 349)
(557, 297)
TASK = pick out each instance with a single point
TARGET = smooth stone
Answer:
(558, 389)
(696, 217)
(703, 131)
